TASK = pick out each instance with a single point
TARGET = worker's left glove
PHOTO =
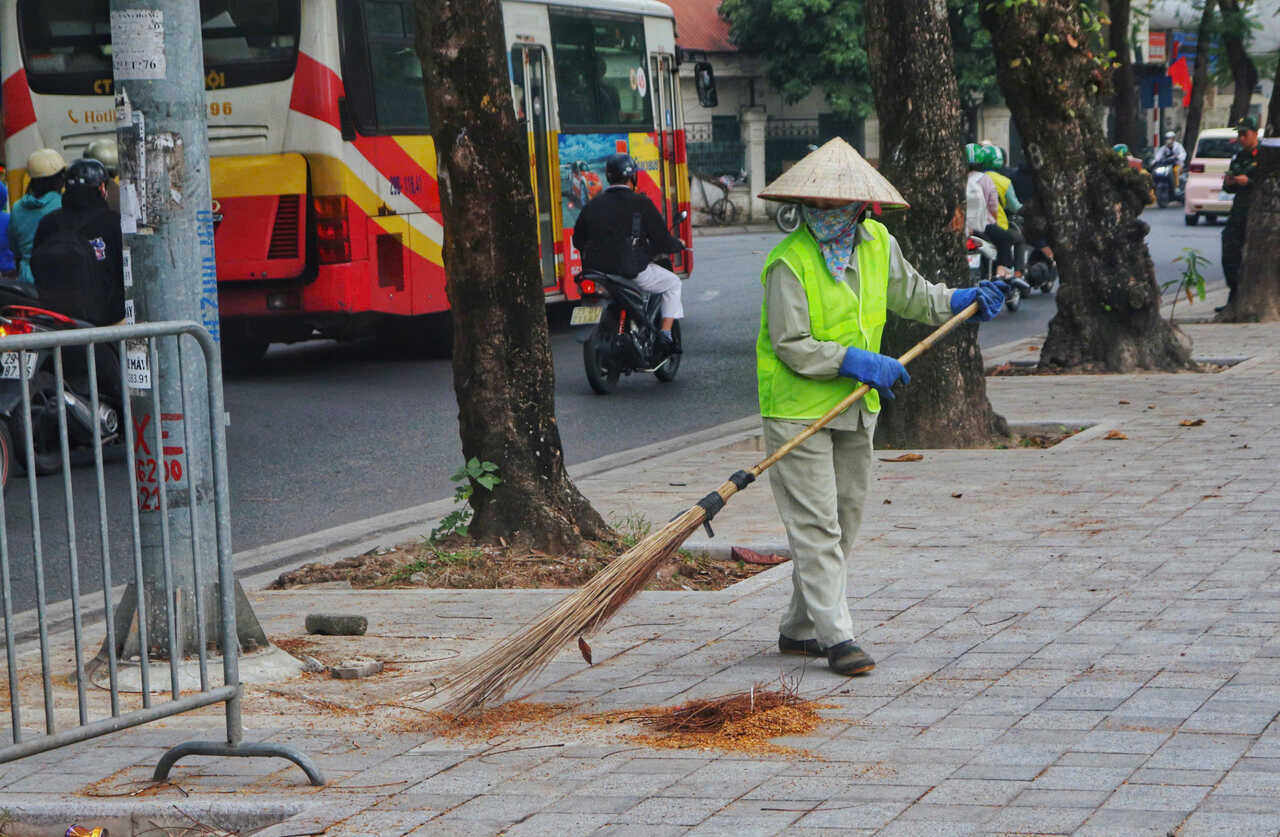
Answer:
(880, 371)
(989, 295)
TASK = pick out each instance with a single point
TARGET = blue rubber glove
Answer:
(880, 371)
(990, 297)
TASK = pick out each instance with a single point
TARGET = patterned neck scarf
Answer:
(836, 231)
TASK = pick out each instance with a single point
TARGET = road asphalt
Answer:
(331, 434)
(1076, 640)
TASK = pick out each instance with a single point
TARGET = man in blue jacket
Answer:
(46, 168)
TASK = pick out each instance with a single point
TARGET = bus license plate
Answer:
(586, 315)
(975, 261)
(9, 365)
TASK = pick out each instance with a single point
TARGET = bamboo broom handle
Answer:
(728, 489)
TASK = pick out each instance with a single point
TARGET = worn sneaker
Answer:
(804, 647)
(848, 659)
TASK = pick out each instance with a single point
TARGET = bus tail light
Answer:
(588, 287)
(333, 233)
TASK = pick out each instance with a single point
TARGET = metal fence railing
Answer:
(67, 397)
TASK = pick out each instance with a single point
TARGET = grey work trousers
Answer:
(820, 488)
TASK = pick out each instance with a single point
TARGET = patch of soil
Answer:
(1016, 369)
(499, 720)
(457, 562)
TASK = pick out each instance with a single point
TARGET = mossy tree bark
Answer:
(1258, 296)
(921, 134)
(502, 369)
(1108, 303)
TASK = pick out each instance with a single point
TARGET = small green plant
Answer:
(474, 472)
(1191, 283)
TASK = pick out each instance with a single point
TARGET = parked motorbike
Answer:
(20, 314)
(788, 217)
(624, 329)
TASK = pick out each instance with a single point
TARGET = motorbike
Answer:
(1167, 189)
(623, 323)
(20, 314)
(788, 217)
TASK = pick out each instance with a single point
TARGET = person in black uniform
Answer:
(77, 254)
(1239, 182)
(604, 236)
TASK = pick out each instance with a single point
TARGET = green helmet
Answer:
(1121, 148)
(997, 156)
(973, 154)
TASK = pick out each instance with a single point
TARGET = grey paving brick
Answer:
(1116, 741)
(1156, 797)
(672, 810)
(973, 792)
(558, 824)
(1040, 819)
(1172, 776)
(1060, 777)
(1053, 798)
(1200, 752)
(852, 813)
(1205, 824)
(1112, 822)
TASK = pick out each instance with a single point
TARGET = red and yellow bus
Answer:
(326, 204)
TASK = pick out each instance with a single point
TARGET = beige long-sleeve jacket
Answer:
(910, 295)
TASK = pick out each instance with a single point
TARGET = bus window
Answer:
(600, 72)
(66, 44)
(380, 67)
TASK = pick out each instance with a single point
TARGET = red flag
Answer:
(1181, 76)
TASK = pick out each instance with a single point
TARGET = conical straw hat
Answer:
(834, 172)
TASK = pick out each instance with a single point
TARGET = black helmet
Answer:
(620, 168)
(85, 174)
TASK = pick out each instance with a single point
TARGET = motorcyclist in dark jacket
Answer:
(603, 233)
(77, 254)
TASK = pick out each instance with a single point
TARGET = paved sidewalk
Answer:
(1083, 639)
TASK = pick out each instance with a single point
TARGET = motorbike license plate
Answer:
(9, 365)
(975, 261)
(586, 315)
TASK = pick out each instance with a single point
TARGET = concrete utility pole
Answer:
(167, 221)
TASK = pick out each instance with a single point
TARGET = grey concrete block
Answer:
(333, 624)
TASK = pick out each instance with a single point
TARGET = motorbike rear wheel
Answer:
(601, 366)
(788, 217)
(667, 371)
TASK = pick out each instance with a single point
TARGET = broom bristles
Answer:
(490, 676)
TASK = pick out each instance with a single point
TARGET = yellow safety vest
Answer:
(836, 314)
(1003, 185)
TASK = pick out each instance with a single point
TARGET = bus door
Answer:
(666, 118)
(529, 96)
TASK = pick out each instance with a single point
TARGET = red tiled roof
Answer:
(699, 26)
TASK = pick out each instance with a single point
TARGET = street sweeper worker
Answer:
(827, 288)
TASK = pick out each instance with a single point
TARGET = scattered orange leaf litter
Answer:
(744, 722)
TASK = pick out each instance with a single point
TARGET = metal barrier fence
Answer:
(39, 362)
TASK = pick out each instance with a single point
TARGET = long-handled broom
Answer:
(488, 677)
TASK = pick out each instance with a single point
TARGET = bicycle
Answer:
(723, 211)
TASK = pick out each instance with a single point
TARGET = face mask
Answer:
(835, 230)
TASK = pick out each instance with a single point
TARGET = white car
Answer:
(1214, 150)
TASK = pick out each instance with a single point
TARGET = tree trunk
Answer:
(1109, 303)
(502, 368)
(1258, 295)
(1199, 79)
(1243, 70)
(921, 134)
(1125, 101)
